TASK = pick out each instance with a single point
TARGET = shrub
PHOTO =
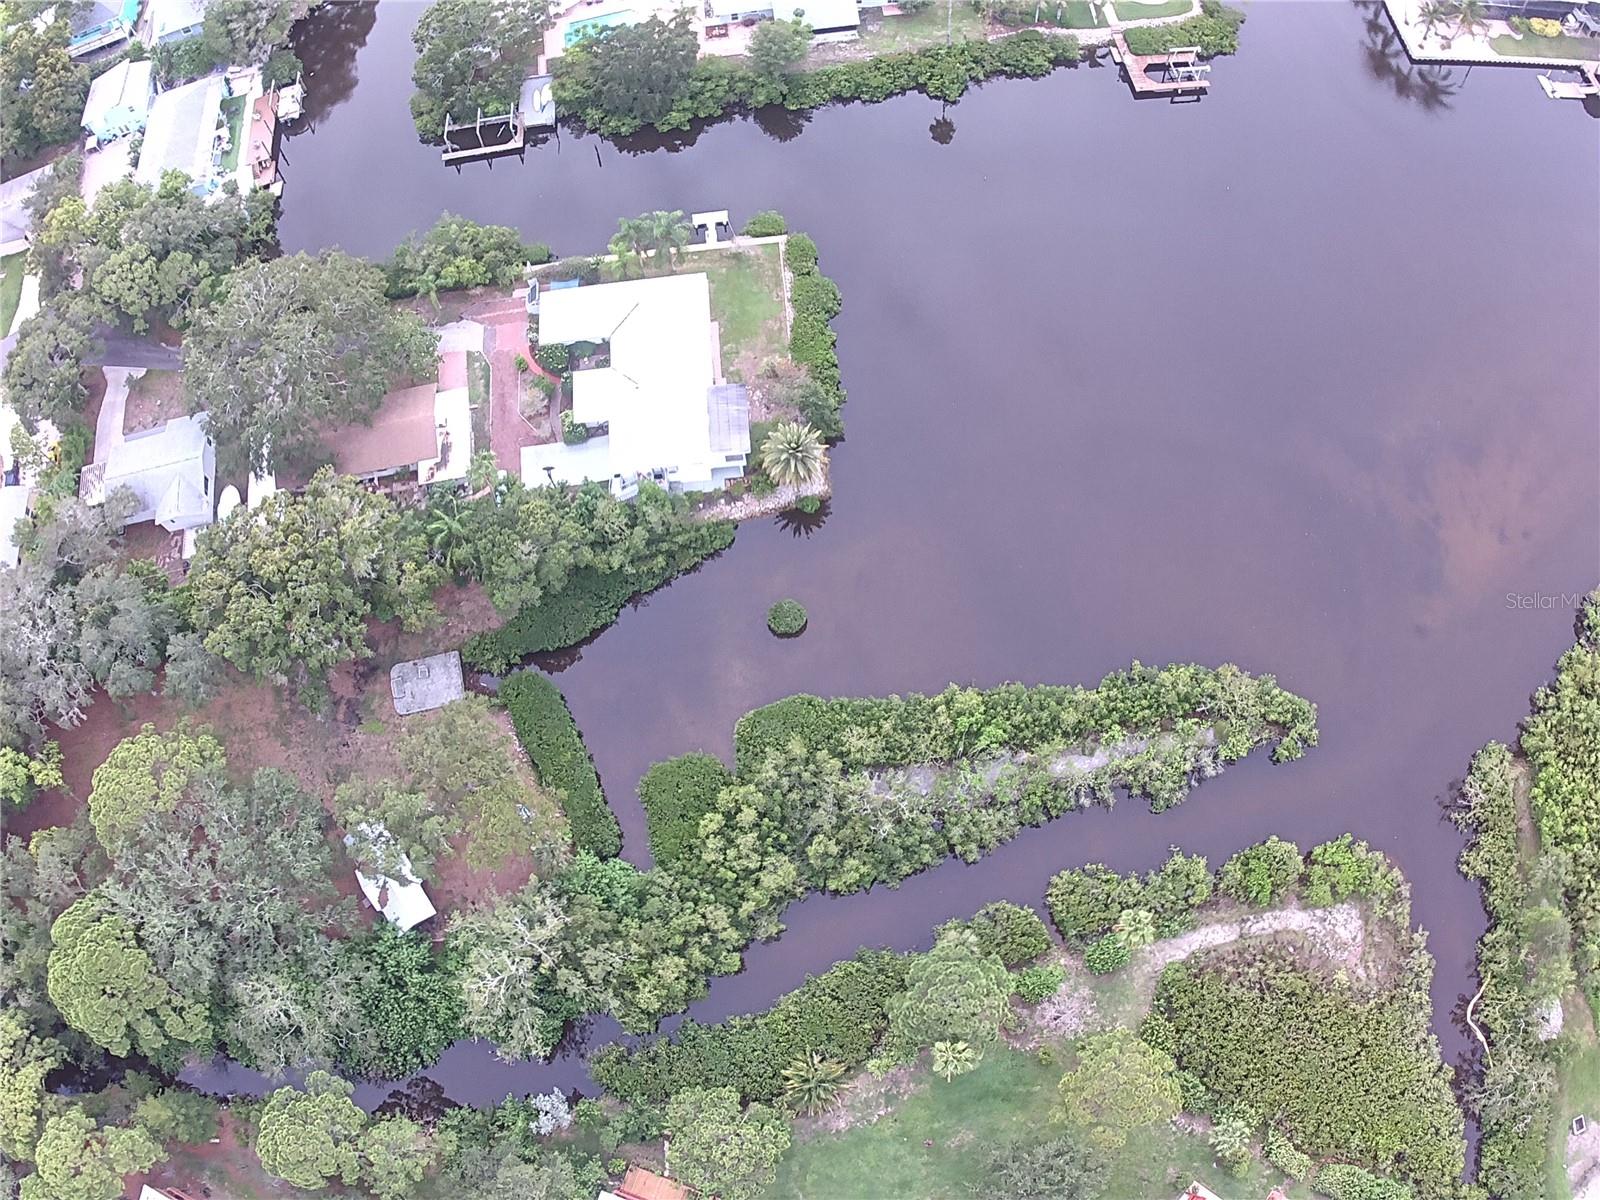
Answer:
(1012, 931)
(1286, 1156)
(572, 433)
(801, 253)
(1519, 23)
(1038, 983)
(1262, 874)
(1215, 31)
(765, 224)
(786, 618)
(554, 357)
(1544, 27)
(548, 733)
(809, 504)
(1108, 954)
(675, 795)
(1340, 1181)
(840, 1013)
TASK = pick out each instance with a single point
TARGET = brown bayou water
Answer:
(1302, 377)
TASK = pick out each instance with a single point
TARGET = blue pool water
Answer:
(582, 29)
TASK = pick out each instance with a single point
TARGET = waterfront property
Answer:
(502, 133)
(119, 101)
(1507, 35)
(647, 388)
(172, 20)
(101, 23)
(171, 469)
(216, 128)
(1177, 73)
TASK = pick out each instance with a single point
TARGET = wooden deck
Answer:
(1137, 69)
(263, 141)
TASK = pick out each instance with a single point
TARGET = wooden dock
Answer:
(1182, 72)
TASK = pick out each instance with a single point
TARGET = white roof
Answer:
(13, 507)
(584, 463)
(179, 132)
(654, 394)
(404, 904)
(452, 414)
(168, 17)
(126, 85)
(166, 468)
(829, 14)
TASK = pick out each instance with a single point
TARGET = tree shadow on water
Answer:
(1430, 86)
(797, 523)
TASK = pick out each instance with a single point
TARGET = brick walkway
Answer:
(505, 323)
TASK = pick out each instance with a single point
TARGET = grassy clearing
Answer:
(478, 398)
(12, 268)
(1532, 46)
(1579, 1092)
(934, 1143)
(1133, 10)
(912, 31)
(746, 303)
(233, 109)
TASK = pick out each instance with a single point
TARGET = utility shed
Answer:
(426, 683)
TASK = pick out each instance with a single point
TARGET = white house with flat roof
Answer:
(667, 414)
(119, 101)
(173, 20)
(171, 469)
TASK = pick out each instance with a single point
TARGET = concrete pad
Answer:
(426, 683)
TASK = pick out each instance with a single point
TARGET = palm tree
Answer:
(953, 1058)
(1470, 15)
(792, 454)
(811, 1082)
(668, 233)
(447, 536)
(1135, 927)
(1230, 1137)
(1434, 15)
(630, 241)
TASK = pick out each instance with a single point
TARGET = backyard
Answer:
(1133, 10)
(1531, 45)
(747, 304)
(12, 268)
(1569, 1162)
(153, 399)
(934, 1140)
(909, 31)
(233, 111)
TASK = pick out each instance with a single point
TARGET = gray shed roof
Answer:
(728, 406)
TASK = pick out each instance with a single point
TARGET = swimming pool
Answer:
(579, 30)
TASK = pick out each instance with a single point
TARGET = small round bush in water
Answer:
(786, 618)
(765, 224)
(1107, 955)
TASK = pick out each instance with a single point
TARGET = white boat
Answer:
(291, 101)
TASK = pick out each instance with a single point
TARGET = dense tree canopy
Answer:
(472, 55)
(459, 253)
(244, 32)
(145, 775)
(719, 1150)
(311, 1137)
(44, 372)
(285, 589)
(106, 986)
(1118, 1086)
(295, 348)
(635, 74)
(76, 1159)
(954, 993)
(41, 89)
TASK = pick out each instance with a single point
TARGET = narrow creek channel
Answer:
(1301, 377)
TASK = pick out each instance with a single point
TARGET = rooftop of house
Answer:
(165, 468)
(13, 507)
(654, 393)
(180, 130)
(126, 85)
(170, 17)
(403, 432)
(640, 1184)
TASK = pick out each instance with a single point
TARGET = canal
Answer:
(1301, 377)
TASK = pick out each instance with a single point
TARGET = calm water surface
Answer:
(1302, 377)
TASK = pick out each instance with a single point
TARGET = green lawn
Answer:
(478, 398)
(912, 31)
(12, 268)
(1532, 46)
(746, 303)
(1580, 1093)
(233, 109)
(1011, 1095)
(1133, 10)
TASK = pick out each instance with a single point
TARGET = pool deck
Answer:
(1466, 49)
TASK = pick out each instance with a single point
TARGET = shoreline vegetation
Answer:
(1270, 1017)
(1532, 815)
(587, 95)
